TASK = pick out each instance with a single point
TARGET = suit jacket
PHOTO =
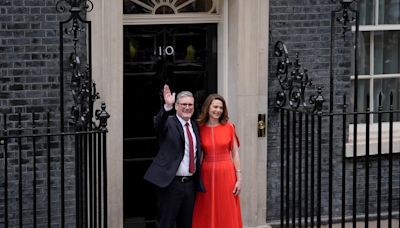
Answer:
(172, 148)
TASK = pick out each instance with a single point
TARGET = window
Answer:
(379, 52)
(379, 71)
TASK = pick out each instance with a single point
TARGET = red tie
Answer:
(192, 167)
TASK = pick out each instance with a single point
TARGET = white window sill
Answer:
(373, 139)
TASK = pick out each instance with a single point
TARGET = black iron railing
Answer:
(312, 164)
(332, 172)
(53, 175)
(31, 163)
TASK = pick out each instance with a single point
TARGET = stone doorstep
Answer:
(259, 226)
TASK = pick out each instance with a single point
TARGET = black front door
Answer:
(185, 58)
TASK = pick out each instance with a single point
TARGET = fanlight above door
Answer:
(170, 6)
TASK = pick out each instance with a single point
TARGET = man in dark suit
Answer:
(176, 167)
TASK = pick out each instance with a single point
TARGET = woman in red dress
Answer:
(219, 205)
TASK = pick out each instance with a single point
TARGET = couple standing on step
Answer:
(197, 169)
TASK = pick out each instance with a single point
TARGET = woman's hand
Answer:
(238, 185)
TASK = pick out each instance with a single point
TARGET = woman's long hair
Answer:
(204, 116)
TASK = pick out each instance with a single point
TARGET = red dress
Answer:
(217, 207)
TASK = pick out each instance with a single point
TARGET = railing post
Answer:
(293, 81)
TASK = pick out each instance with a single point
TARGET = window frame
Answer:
(361, 127)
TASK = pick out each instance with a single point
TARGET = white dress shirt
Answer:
(183, 169)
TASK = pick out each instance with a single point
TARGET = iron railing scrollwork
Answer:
(90, 149)
(83, 92)
(83, 88)
(75, 6)
(294, 80)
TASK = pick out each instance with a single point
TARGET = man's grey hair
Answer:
(183, 94)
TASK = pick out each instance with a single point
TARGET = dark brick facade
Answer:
(29, 82)
(305, 27)
(29, 56)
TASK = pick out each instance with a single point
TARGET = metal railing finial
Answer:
(347, 14)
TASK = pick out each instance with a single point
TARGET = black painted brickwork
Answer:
(29, 56)
(29, 82)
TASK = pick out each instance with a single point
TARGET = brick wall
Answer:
(29, 82)
(29, 56)
(304, 26)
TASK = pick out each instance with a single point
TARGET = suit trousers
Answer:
(176, 202)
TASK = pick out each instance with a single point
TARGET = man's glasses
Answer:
(186, 105)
